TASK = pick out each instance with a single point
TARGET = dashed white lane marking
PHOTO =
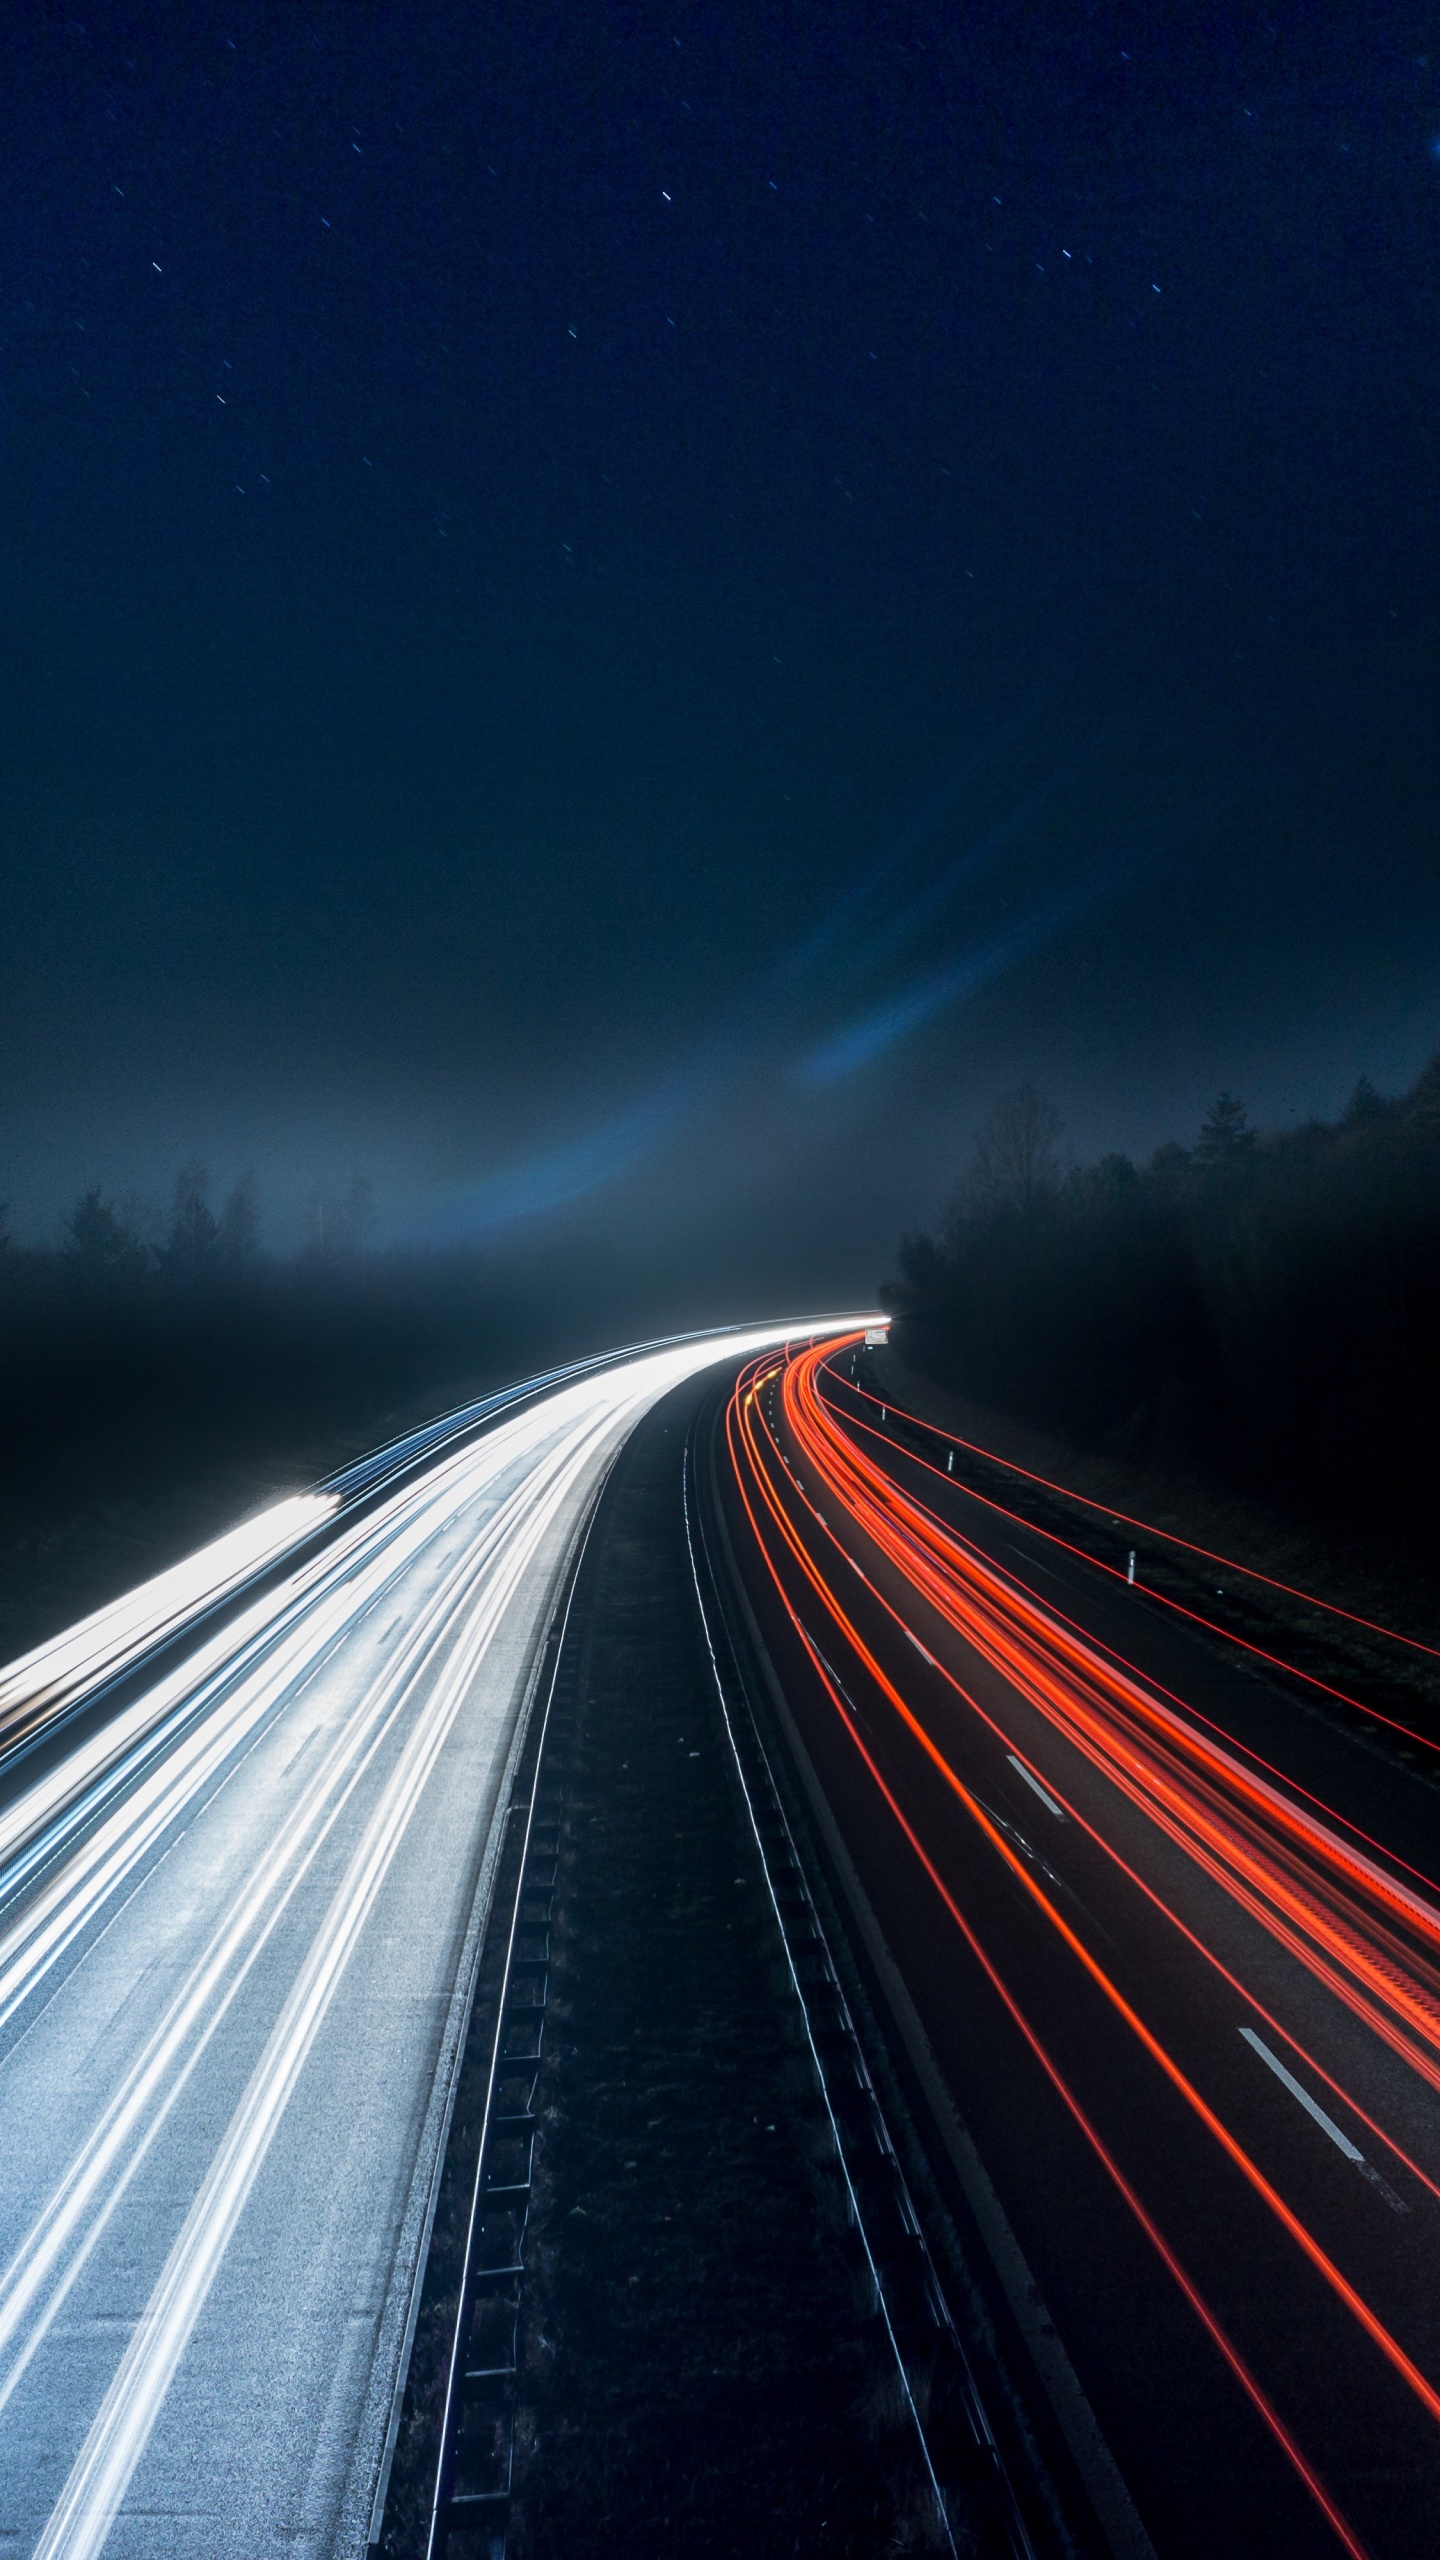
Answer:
(1045, 1797)
(920, 1649)
(1341, 2140)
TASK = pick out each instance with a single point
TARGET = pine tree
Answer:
(192, 1246)
(97, 1236)
(239, 1234)
(1225, 1135)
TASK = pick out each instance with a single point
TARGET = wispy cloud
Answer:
(556, 1176)
(845, 1052)
(755, 1031)
(815, 946)
(966, 867)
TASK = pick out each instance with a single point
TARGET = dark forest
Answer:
(156, 1381)
(1263, 1307)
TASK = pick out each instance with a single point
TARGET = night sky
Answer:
(614, 616)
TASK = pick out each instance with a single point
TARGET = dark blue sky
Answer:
(614, 616)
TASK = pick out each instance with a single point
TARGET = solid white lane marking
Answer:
(1341, 2140)
(1031, 1781)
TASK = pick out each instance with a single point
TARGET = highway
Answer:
(1172, 1947)
(246, 1824)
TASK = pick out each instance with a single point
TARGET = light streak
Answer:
(460, 1549)
(1166, 1600)
(1362, 1932)
(1211, 1627)
(1111, 2165)
(100, 2476)
(1118, 1723)
(1128, 1520)
(77, 2213)
(102, 1644)
(844, 1052)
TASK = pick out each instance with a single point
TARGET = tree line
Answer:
(1262, 1305)
(140, 1355)
(106, 1244)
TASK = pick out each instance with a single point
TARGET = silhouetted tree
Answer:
(1016, 1166)
(1366, 1106)
(191, 1249)
(357, 1214)
(341, 1228)
(1225, 1138)
(1111, 1182)
(1422, 1103)
(1266, 1305)
(1170, 1164)
(238, 1240)
(99, 1239)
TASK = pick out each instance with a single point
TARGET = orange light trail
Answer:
(1196, 1618)
(1220, 1813)
(1352, 1924)
(1162, 1537)
(1111, 2165)
(1157, 1900)
(1164, 1599)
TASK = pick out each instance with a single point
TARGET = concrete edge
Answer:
(1100, 2473)
(412, 2251)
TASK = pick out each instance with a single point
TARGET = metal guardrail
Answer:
(931, 2360)
(475, 2465)
(475, 2469)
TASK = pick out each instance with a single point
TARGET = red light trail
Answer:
(1148, 1529)
(821, 1507)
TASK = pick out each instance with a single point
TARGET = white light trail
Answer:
(365, 1710)
(104, 1643)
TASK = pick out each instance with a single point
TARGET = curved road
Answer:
(1174, 1950)
(237, 1901)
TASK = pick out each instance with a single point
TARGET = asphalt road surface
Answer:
(1174, 1946)
(1168, 1945)
(235, 1910)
